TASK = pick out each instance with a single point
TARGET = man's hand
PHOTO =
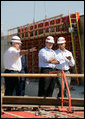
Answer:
(32, 49)
(27, 81)
(53, 61)
(23, 52)
(69, 57)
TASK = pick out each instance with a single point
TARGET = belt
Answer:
(11, 70)
(63, 70)
(46, 68)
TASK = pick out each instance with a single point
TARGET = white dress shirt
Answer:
(44, 55)
(64, 62)
(12, 59)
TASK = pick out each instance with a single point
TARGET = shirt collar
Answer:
(48, 48)
(62, 51)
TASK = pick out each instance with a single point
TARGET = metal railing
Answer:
(62, 75)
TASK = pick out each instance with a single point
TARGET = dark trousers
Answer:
(22, 86)
(46, 84)
(11, 84)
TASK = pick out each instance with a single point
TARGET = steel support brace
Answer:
(69, 95)
(63, 76)
(62, 109)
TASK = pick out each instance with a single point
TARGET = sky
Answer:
(19, 13)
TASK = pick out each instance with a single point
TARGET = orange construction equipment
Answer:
(63, 109)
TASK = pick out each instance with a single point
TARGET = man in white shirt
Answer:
(12, 64)
(66, 60)
(47, 61)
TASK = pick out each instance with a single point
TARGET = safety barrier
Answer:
(62, 75)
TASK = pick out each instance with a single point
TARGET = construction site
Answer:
(71, 27)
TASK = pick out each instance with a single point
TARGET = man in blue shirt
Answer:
(47, 61)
